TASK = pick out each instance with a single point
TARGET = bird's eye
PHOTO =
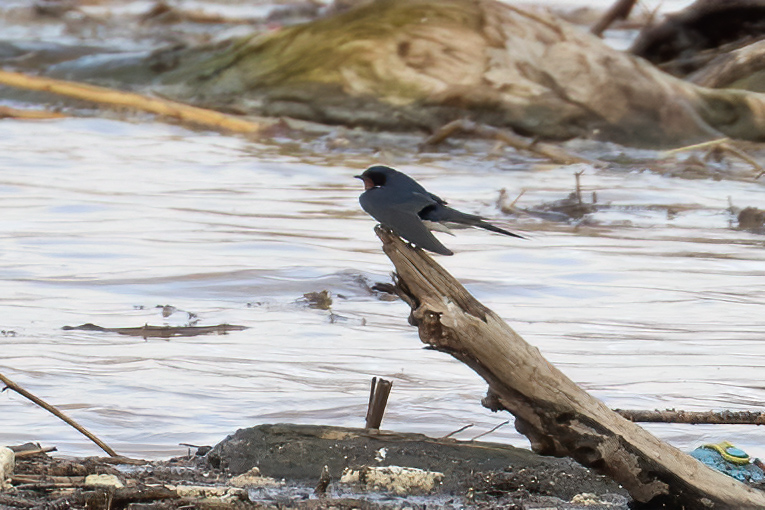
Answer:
(377, 179)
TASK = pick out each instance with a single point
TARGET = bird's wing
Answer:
(437, 199)
(403, 220)
(409, 226)
(443, 214)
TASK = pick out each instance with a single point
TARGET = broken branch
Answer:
(103, 95)
(547, 150)
(703, 417)
(40, 402)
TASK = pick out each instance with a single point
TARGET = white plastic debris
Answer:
(206, 492)
(381, 454)
(104, 480)
(7, 463)
(252, 478)
(396, 479)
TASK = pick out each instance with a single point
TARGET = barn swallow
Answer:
(400, 204)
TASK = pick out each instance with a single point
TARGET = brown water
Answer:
(103, 220)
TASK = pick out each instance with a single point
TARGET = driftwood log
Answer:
(417, 64)
(557, 416)
(706, 417)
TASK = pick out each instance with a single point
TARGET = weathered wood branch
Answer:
(557, 416)
(6, 112)
(148, 331)
(700, 417)
(163, 107)
(378, 399)
(40, 402)
(554, 153)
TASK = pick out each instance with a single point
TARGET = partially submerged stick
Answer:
(694, 417)
(148, 331)
(718, 146)
(547, 150)
(103, 95)
(40, 402)
(21, 113)
(557, 416)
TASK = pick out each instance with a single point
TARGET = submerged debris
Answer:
(574, 207)
(752, 219)
(319, 300)
(148, 331)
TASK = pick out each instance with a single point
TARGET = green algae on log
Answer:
(408, 64)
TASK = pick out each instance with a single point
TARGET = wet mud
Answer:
(289, 460)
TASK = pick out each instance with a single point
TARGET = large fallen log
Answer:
(557, 416)
(417, 64)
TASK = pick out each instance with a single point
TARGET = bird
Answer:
(403, 206)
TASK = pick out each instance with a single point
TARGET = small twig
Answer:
(512, 204)
(36, 451)
(578, 189)
(47, 479)
(19, 113)
(723, 145)
(40, 402)
(450, 434)
(492, 430)
(702, 145)
(552, 152)
(744, 156)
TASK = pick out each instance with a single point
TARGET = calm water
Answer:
(103, 220)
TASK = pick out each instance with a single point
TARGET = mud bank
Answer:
(289, 461)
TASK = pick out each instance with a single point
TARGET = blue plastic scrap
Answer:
(728, 459)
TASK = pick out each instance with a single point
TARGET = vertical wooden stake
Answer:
(378, 399)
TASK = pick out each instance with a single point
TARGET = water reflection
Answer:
(102, 221)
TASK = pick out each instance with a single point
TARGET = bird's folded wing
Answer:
(408, 225)
(401, 216)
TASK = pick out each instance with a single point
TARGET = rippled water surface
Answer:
(654, 301)
(104, 220)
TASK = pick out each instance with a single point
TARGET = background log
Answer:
(417, 64)
(557, 416)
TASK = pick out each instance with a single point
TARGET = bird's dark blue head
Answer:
(376, 176)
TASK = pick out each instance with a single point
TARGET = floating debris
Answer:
(147, 331)
(752, 219)
(319, 300)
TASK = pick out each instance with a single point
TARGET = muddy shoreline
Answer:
(280, 466)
